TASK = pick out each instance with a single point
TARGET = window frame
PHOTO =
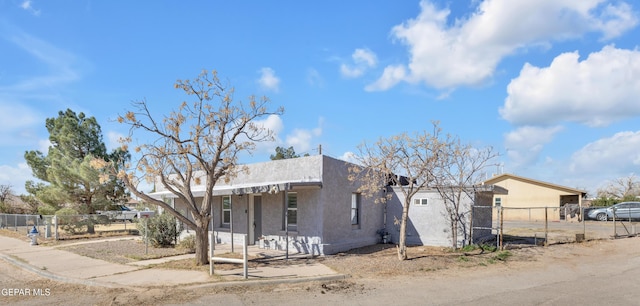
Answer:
(222, 207)
(497, 202)
(290, 209)
(420, 201)
(355, 210)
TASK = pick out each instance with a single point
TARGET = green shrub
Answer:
(502, 256)
(162, 229)
(69, 220)
(484, 247)
(188, 243)
(4, 208)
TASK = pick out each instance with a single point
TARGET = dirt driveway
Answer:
(591, 273)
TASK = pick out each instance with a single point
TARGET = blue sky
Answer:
(552, 85)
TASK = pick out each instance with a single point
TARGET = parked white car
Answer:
(623, 211)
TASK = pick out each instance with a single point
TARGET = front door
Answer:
(257, 217)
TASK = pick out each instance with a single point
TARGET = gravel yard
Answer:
(529, 276)
(373, 261)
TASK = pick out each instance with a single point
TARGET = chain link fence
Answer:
(517, 227)
(65, 226)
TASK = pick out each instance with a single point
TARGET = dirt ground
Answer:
(437, 276)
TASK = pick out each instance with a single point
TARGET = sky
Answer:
(552, 85)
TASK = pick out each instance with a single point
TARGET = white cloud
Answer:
(18, 123)
(349, 157)
(275, 125)
(613, 157)
(16, 116)
(15, 176)
(301, 139)
(614, 20)
(525, 144)
(27, 6)
(268, 79)
(596, 91)
(113, 140)
(64, 67)
(391, 76)
(314, 78)
(466, 51)
(43, 145)
(363, 59)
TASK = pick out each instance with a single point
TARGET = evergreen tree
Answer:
(69, 179)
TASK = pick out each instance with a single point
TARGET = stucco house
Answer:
(311, 201)
(528, 198)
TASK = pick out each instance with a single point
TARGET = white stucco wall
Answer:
(428, 224)
(324, 206)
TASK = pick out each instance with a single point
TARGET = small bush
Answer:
(483, 247)
(489, 247)
(502, 256)
(69, 220)
(188, 243)
(162, 229)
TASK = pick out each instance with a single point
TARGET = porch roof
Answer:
(238, 189)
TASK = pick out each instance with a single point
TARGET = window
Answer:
(292, 210)
(420, 201)
(355, 209)
(226, 209)
(498, 202)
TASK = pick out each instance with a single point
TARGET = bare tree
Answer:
(460, 171)
(624, 188)
(408, 163)
(6, 191)
(199, 143)
(5, 195)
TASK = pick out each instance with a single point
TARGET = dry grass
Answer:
(373, 261)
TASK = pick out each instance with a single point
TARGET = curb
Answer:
(266, 282)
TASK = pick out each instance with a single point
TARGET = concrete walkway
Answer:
(69, 267)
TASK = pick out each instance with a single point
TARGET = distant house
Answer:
(311, 201)
(528, 198)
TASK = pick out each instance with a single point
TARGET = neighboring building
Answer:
(528, 198)
(428, 222)
(311, 200)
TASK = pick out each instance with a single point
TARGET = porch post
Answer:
(286, 223)
(231, 221)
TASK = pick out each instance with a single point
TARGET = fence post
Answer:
(584, 223)
(615, 230)
(546, 226)
(245, 250)
(501, 225)
(55, 226)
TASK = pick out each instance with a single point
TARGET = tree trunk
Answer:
(454, 234)
(91, 229)
(402, 244)
(202, 241)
